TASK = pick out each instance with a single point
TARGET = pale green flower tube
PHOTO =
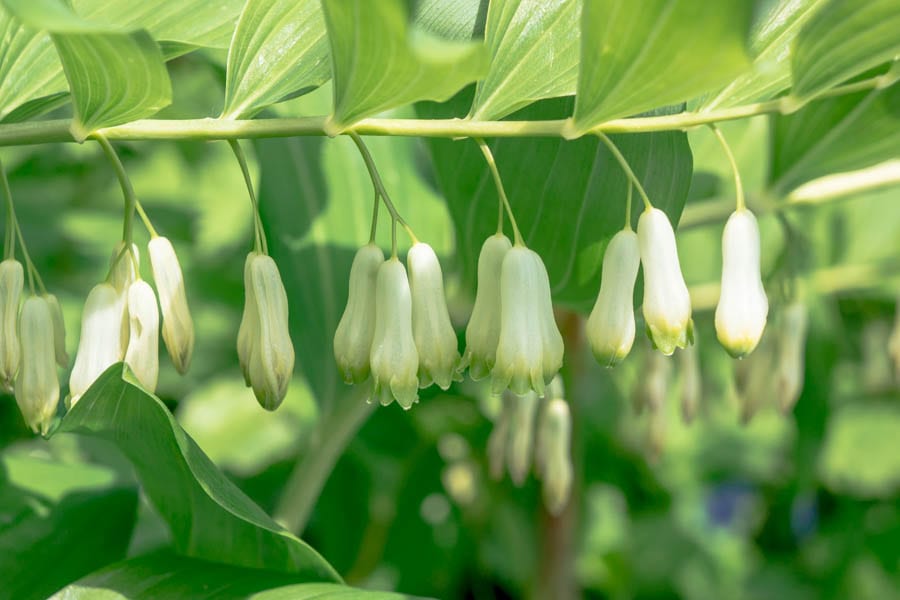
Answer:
(743, 306)
(483, 330)
(691, 383)
(12, 281)
(667, 304)
(59, 331)
(124, 270)
(555, 432)
(99, 346)
(394, 358)
(37, 384)
(520, 449)
(178, 326)
(142, 354)
(248, 333)
(499, 437)
(611, 327)
(354, 333)
(432, 330)
(791, 355)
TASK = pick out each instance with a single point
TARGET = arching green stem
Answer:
(124, 183)
(627, 168)
(628, 207)
(501, 192)
(738, 186)
(260, 244)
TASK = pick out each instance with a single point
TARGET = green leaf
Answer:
(209, 517)
(380, 62)
(844, 39)
(58, 522)
(279, 51)
(636, 57)
(163, 575)
(834, 135)
(568, 196)
(771, 39)
(534, 55)
(451, 19)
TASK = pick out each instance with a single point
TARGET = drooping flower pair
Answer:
(512, 333)
(396, 326)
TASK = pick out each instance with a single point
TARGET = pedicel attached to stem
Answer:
(14, 232)
(626, 167)
(738, 186)
(501, 192)
(259, 238)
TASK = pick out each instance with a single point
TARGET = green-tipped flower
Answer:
(555, 432)
(59, 331)
(394, 358)
(483, 331)
(12, 280)
(791, 355)
(743, 306)
(432, 330)
(610, 328)
(520, 449)
(271, 353)
(178, 327)
(667, 304)
(142, 354)
(37, 385)
(530, 349)
(354, 333)
(100, 343)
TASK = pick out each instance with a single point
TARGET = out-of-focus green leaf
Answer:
(568, 197)
(164, 575)
(380, 62)
(279, 50)
(451, 19)
(58, 522)
(640, 56)
(835, 135)
(859, 455)
(771, 39)
(842, 40)
(534, 55)
(209, 517)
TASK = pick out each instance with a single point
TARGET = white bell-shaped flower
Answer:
(12, 280)
(177, 324)
(37, 385)
(100, 344)
(483, 330)
(791, 355)
(530, 348)
(394, 359)
(667, 304)
(353, 336)
(142, 354)
(610, 328)
(124, 267)
(520, 449)
(435, 338)
(271, 361)
(59, 331)
(743, 306)
(556, 390)
(555, 433)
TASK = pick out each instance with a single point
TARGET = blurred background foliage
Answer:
(802, 505)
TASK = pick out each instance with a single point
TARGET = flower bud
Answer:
(249, 329)
(499, 438)
(653, 385)
(667, 305)
(432, 330)
(12, 280)
(37, 385)
(59, 331)
(394, 358)
(610, 328)
(353, 336)
(791, 351)
(555, 391)
(123, 267)
(520, 447)
(691, 383)
(271, 363)
(743, 306)
(142, 354)
(530, 349)
(178, 327)
(556, 475)
(99, 346)
(483, 331)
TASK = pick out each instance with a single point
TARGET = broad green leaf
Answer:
(209, 517)
(58, 522)
(771, 39)
(834, 135)
(534, 55)
(164, 575)
(451, 19)
(568, 196)
(380, 62)
(842, 40)
(640, 56)
(279, 50)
